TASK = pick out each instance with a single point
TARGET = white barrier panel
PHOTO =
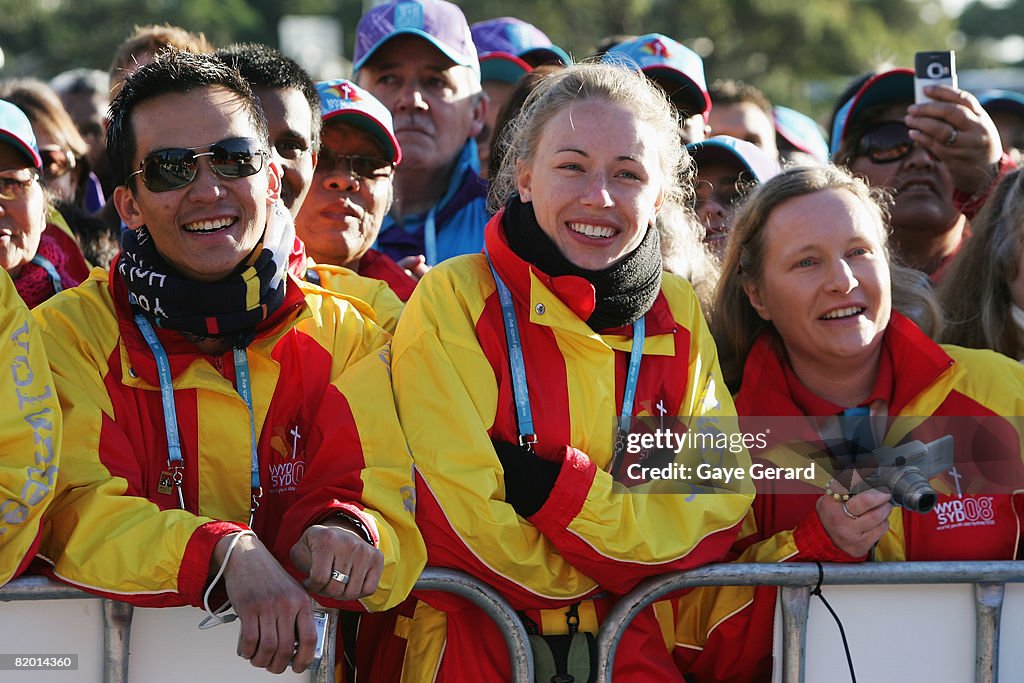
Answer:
(904, 632)
(54, 627)
(1011, 654)
(40, 618)
(166, 646)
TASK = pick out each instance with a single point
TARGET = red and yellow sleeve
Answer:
(446, 397)
(101, 534)
(386, 305)
(361, 466)
(32, 429)
(620, 538)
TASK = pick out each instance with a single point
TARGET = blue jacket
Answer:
(453, 226)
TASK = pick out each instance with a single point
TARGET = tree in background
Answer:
(800, 52)
(44, 37)
(992, 32)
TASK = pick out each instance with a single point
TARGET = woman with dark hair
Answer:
(63, 149)
(983, 294)
(66, 173)
(40, 257)
(527, 355)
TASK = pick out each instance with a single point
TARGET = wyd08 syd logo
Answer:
(963, 512)
(285, 476)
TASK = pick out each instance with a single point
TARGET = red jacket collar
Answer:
(914, 363)
(810, 403)
(574, 291)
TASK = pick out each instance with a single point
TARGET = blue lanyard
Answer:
(633, 374)
(54, 276)
(524, 416)
(245, 391)
(430, 237)
(856, 427)
(520, 391)
(175, 463)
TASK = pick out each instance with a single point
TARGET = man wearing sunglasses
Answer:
(352, 190)
(938, 160)
(223, 419)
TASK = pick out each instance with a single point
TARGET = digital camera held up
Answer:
(904, 471)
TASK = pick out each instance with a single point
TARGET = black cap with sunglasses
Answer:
(895, 86)
(885, 142)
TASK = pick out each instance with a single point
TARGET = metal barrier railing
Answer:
(117, 625)
(490, 601)
(117, 620)
(796, 581)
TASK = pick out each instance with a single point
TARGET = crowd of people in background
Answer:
(337, 331)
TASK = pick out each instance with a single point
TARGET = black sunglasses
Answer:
(176, 167)
(56, 161)
(885, 142)
(362, 167)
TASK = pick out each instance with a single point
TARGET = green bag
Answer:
(570, 658)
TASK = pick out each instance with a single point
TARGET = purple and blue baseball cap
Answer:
(801, 131)
(663, 58)
(440, 23)
(510, 47)
(757, 163)
(345, 101)
(16, 130)
(888, 87)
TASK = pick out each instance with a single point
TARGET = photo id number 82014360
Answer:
(14, 662)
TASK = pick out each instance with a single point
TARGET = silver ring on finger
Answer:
(848, 513)
(953, 135)
(342, 577)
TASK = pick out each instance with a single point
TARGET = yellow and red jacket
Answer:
(328, 442)
(379, 265)
(725, 634)
(593, 536)
(31, 428)
(386, 305)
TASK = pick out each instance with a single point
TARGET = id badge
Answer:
(165, 485)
